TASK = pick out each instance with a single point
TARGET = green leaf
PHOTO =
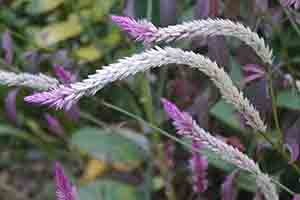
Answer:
(108, 145)
(289, 99)
(42, 6)
(109, 190)
(245, 180)
(226, 114)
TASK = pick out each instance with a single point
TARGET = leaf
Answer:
(73, 26)
(109, 190)
(108, 145)
(288, 99)
(226, 114)
(58, 31)
(89, 53)
(94, 169)
(42, 6)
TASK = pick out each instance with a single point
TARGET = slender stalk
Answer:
(293, 23)
(274, 106)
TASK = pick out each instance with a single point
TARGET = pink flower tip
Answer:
(64, 188)
(141, 30)
(182, 120)
(58, 98)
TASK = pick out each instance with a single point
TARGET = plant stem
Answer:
(274, 106)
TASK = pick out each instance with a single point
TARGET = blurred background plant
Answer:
(105, 150)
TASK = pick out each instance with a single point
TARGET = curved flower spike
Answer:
(66, 96)
(188, 128)
(148, 33)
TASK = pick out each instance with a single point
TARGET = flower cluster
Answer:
(225, 151)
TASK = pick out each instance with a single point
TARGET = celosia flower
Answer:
(7, 46)
(169, 154)
(182, 121)
(64, 189)
(228, 190)
(53, 98)
(54, 125)
(141, 30)
(64, 76)
(10, 105)
(226, 152)
(289, 3)
(252, 72)
(199, 165)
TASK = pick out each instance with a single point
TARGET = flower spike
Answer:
(64, 189)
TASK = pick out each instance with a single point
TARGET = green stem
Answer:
(294, 25)
(274, 106)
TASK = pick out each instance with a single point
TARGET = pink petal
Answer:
(228, 187)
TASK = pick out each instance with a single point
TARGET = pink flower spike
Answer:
(228, 190)
(252, 72)
(296, 197)
(141, 30)
(10, 106)
(54, 125)
(7, 45)
(182, 120)
(199, 166)
(54, 98)
(64, 189)
(64, 76)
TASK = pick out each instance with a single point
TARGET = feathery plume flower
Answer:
(38, 81)
(199, 166)
(290, 3)
(220, 148)
(147, 32)
(54, 125)
(141, 30)
(66, 96)
(64, 189)
(7, 46)
(252, 72)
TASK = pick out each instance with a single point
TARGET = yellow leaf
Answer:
(59, 31)
(89, 53)
(42, 6)
(94, 169)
